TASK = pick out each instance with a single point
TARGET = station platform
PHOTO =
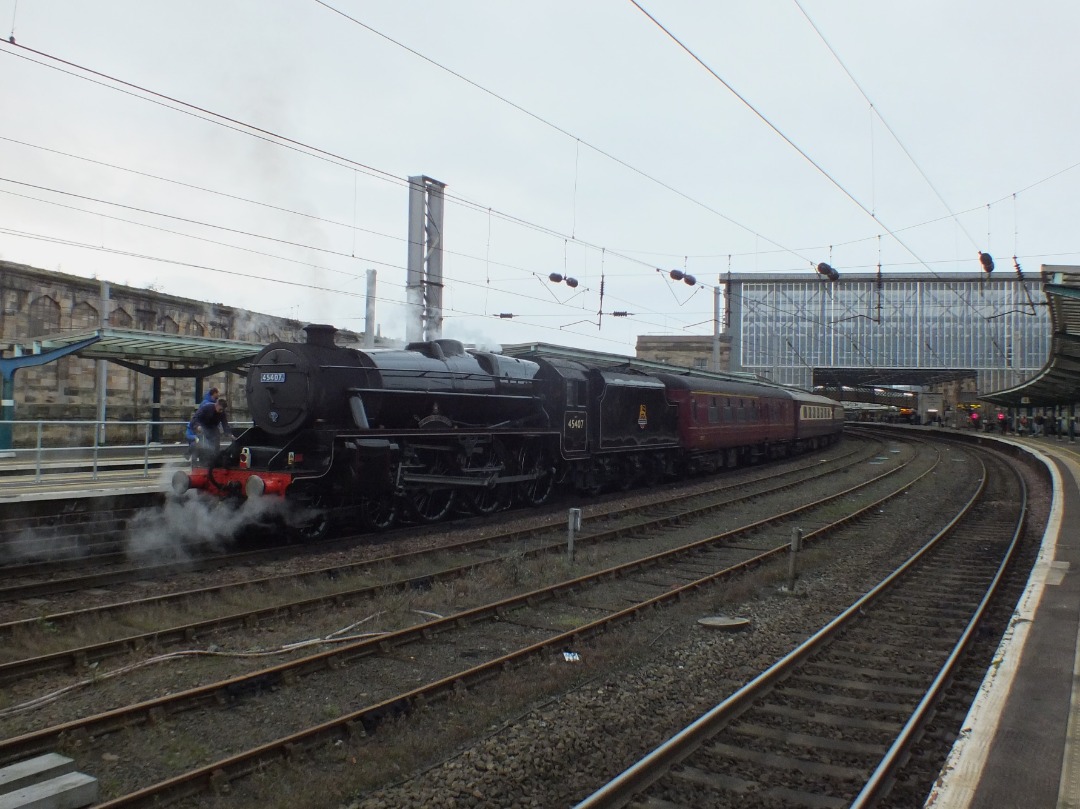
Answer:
(1020, 745)
(27, 475)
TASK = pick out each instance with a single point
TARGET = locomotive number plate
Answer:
(278, 376)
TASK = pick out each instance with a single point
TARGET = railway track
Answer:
(835, 722)
(40, 579)
(518, 628)
(90, 539)
(104, 573)
(353, 582)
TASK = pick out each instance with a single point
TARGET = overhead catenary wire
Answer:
(284, 141)
(281, 140)
(364, 259)
(877, 113)
(782, 135)
(540, 119)
(489, 210)
(892, 232)
(449, 311)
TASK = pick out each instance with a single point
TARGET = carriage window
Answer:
(714, 413)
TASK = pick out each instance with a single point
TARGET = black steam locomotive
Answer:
(415, 434)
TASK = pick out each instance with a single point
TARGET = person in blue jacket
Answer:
(209, 423)
(211, 396)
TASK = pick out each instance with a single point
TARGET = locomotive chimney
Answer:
(320, 334)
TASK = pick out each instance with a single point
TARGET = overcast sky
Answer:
(574, 136)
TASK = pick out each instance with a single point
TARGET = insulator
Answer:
(828, 271)
(555, 278)
(571, 282)
(506, 315)
(676, 275)
(987, 261)
(689, 280)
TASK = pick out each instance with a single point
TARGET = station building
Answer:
(808, 331)
(960, 335)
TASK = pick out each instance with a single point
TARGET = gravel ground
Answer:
(546, 734)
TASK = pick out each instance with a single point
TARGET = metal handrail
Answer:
(54, 446)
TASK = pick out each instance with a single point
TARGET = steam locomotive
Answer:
(387, 434)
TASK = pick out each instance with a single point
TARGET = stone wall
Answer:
(35, 303)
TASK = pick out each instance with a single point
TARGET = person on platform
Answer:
(208, 424)
(211, 396)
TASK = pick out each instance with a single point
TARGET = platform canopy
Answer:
(191, 357)
(1058, 383)
(146, 346)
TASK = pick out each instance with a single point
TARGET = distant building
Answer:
(688, 351)
(912, 329)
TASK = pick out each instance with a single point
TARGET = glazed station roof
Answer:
(1058, 383)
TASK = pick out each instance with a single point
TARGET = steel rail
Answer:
(627, 786)
(214, 693)
(217, 775)
(38, 589)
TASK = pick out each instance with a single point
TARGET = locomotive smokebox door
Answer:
(277, 391)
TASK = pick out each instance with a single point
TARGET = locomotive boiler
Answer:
(386, 431)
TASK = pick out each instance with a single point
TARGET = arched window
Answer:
(120, 319)
(84, 317)
(44, 316)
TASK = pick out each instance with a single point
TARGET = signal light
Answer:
(828, 271)
(987, 261)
